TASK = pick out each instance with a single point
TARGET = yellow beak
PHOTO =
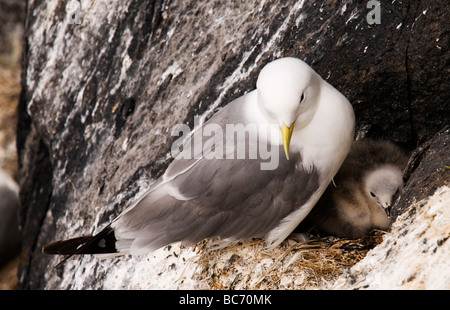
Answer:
(286, 133)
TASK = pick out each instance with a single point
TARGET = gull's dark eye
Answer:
(372, 194)
(302, 97)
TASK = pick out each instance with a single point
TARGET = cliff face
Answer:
(12, 17)
(104, 83)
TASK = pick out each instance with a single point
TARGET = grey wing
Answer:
(209, 198)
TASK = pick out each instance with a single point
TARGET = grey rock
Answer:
(427, 170)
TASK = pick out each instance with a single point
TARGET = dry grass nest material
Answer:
(313, 264)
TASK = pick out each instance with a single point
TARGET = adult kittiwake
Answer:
(254, 169)
(361, 195)
(9, 218)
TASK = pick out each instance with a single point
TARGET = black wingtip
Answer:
(66, 247)
(102, 243)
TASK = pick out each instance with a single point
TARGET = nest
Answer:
(313, 264)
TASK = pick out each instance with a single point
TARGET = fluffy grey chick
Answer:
(362, 193)
(9, 221)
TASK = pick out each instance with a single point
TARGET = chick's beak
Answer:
(286, 133)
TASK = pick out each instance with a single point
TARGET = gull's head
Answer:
(288, 91)
(382, 184)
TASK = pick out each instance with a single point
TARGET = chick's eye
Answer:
(372, 194)
(302, 97)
